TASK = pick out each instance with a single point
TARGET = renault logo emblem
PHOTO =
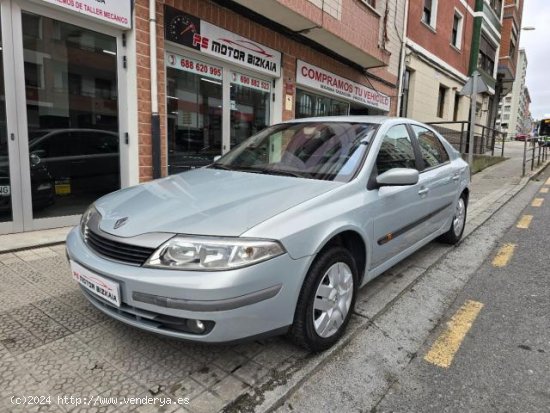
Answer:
(120, 222)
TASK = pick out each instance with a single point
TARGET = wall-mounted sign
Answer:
(190, 65)
(251, 82)
(116, 12)
(319, 79)
(200, 35)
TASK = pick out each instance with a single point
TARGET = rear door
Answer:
(437, 178)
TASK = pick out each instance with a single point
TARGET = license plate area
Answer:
(96, 284)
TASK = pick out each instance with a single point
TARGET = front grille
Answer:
(118, 251)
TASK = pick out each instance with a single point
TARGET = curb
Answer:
(259, 399)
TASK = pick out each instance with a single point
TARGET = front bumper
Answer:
(242, 303)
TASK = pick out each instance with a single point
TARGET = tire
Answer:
(314, 329)
(454, 234)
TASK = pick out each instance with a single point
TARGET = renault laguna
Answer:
(276, 236)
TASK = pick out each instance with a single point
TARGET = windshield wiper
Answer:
(221, 166)
(283, 173)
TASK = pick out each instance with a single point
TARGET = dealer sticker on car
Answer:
(100, 286)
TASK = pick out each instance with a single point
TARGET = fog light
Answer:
(196, 326)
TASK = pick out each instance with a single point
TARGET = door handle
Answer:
(456, 177)
(423, 191)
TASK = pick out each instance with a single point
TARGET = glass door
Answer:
(65, 124)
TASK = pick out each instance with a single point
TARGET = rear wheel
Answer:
(326, 300)
(459, 222)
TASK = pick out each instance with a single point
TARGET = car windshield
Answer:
(330, 151)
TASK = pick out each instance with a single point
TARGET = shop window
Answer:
(250, 99)
(310, 104)
(194, 106)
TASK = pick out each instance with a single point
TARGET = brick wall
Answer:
(438, 41)
(234, 22)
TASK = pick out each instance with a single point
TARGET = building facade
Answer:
(509, 52)
(514, 113)
(437, 60)
(104, 95)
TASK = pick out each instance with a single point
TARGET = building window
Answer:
(496, 5)
(457, 107)
(371, 3)
(404, 110)
(456, 35)
(429, 12)
(487, 53)
(441, 101)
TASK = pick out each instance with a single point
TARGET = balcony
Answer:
(346, 27)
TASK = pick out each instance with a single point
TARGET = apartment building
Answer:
(437, 59)
(105, 95)
(514, 114)
(508, 55)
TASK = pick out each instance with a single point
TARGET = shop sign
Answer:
(117, 12)
(251, 82)
(190, 65)
(214, 41)
(324, 81)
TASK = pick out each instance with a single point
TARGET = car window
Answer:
(432, 150)
(96, 142)
(396, 150)
(53, 145)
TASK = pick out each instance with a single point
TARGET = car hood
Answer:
(205, 202)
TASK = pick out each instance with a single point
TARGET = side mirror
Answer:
(35, 159)
(398, 177)
(217, 158)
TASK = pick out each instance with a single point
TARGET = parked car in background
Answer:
(275, 237)
(521, 137)
(86, 158)
(42, 184)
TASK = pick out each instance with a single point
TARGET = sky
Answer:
(536, 13)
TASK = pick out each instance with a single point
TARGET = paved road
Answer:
(503, 362)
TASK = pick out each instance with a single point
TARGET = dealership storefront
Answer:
(219, 89)
(62, 86)
(77, 117)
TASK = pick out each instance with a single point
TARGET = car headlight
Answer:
(212, 254)
(86, 216)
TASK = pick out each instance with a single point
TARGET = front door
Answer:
(59, 136)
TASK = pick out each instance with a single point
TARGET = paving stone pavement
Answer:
(54, 343)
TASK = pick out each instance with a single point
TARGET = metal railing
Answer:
(538, 153)
(486, 140)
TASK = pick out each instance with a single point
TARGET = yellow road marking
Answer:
(544, 190)
(548, 181)
(504, 255)
(524, 222)
(447, 344)
(537, 202)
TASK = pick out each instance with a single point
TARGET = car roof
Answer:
(357, 118)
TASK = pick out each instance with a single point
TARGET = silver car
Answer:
(274, 237)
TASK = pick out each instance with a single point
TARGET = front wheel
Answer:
(326, 300)
(454, 234)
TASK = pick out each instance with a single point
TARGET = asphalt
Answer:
(503, 364)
